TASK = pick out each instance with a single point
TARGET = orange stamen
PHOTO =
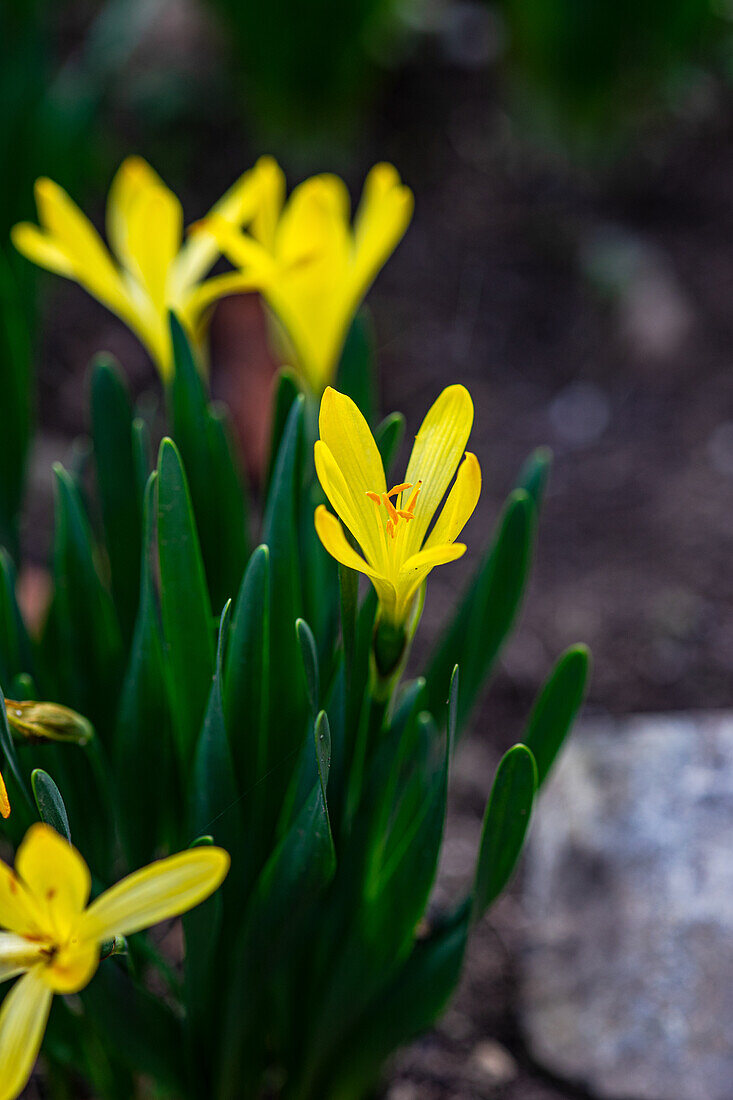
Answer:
(390, 528)
(391, 509)
(375, 497)
(399, 488)
(413, 498)
(404, 515)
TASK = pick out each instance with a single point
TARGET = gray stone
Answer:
(626, 977)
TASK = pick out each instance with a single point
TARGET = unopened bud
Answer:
(48, 722)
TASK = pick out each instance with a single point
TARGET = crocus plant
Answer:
(202, 685)
(53, 937)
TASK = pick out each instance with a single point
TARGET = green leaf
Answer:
(247, 672)
(280, 533)
(214, 803)
(287, 390)
(16, 655)
(118, 483)
(388, 436)
(10, 758)
(16, 388)
(534, 474)
(556, 707)
(356, 374)
(148, 795)
(184, 599)
(505, 825)
(406, 1006)
(49, 803)
(217, 491)
(487, 611)
(86, 661)
(309, 654)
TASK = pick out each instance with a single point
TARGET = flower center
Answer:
(395, 511)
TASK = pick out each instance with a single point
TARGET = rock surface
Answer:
(627, 971)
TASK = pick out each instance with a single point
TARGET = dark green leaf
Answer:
(49, 803)
(505, 825)
(556, 707)
(247, 673)
(217, 492)
(118, 483)
(214, 800)
(309, 655)
(356, 374)
(147, 795)
(486, 612)
(86, 663)
(184, 597)
(287, 389)
(534, 474)
(388, 436)
(280, 533)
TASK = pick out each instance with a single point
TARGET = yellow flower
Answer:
(149, 272)
(311, 266)
(53, 937)
(391, 525)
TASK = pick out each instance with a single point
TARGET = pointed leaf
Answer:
(184, 597)
(505, 825)
(49, 803)
(556, 707)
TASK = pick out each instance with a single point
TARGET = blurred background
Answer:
(570, 260)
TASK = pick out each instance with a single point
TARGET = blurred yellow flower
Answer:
(149, 271)
(310, 265)
(53, 937)
(391, 525)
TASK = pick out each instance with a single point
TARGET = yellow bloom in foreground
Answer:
(391, 525)
(150, 272)
(311, 266)
(4, 800)
(53, 937)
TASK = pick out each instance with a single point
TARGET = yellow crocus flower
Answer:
(311, 266)
(391, 525)
(148, 271)
(53, 937)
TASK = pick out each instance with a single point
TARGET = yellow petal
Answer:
(18, 910)
(270, 199)
(437, 450)
(162, 890)
(316, 221)
(57, 878)
(335, 542)
(383, 216)
(133, 179)
(370, 536)
(4, 800)
(76, 236)
(428, 559)
(331, 534)
(416, 569)
(346, 434)
(73, 967)
(154, 232)
(17, 954)
(41, 249)
(458, 508)
(23, 1019)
